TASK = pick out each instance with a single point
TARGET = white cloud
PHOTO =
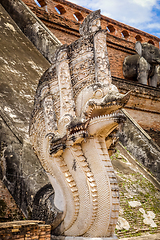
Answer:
(145, 3)
(153, 26)
(136, 13)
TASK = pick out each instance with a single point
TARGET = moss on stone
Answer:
(135, 187)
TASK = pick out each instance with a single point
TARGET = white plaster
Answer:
(134, 203)
(148, 218)
(10, 26)
(121, 210)
(1, 58)
(13, 70)
(28, 96)
(7, 109)
(34, 66)
(130, 192)
(10, 112)
(122, 224)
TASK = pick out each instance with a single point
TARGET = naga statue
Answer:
(76, 112)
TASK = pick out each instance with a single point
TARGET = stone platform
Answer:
(144, 237)
(81, 238)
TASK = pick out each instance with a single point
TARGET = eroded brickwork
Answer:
(25, 230)
(8, 208)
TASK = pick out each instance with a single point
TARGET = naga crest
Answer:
(75, 115)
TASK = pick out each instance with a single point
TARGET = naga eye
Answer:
(98, 94)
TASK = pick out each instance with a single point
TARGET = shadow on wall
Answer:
(140, 145)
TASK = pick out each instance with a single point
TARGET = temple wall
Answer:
(8, 208)
(121, 37)
(144, 104)
(20, 171)
(121, 40)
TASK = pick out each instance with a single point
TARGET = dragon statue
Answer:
(76, 112)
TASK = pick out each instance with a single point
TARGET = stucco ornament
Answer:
(143, 66)
(75, 115)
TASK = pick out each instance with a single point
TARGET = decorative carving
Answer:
(49, 114)
(76, 112)
(102, 68)
(91, 24)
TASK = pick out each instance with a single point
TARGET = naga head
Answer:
(97, 108)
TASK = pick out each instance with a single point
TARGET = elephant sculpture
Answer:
(158, 79)
(143, 66)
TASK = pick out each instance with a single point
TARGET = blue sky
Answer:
(141, 14)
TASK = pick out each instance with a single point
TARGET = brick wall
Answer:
(27, 230)
(75, 14)
(63, 24)
(8, 208)
(143, 105)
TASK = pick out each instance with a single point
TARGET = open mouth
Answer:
(104, 124)
(117, 116)
(80, 128)
(95, 108)
(99, 110)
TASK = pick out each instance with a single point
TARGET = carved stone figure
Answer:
(158, 72)
(75, 115)
(143, 66)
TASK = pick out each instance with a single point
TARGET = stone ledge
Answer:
(82, 238)
(144, 237)
(16, 224)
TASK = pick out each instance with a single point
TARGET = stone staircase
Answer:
(139, 186)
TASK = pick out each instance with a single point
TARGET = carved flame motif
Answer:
(75, 113)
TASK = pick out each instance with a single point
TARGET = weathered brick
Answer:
(66, 28)
(32, 230)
